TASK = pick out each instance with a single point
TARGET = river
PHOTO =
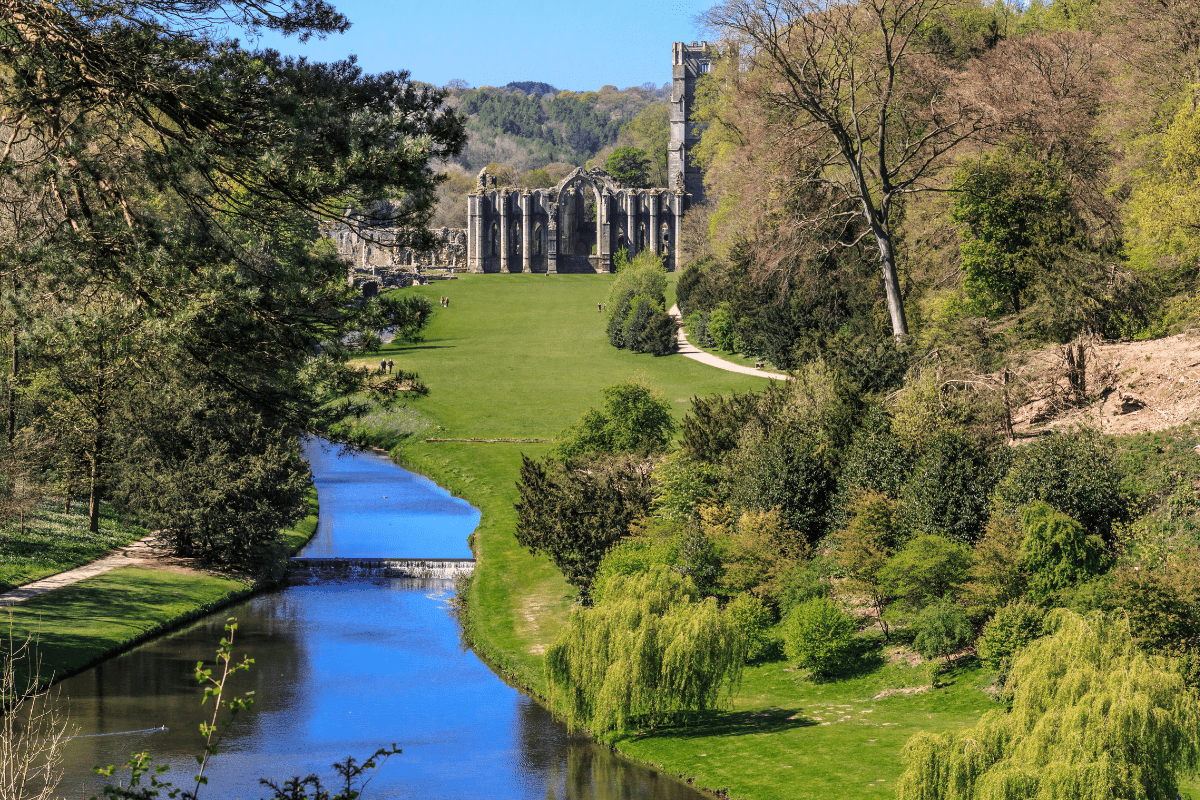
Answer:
(344, 667)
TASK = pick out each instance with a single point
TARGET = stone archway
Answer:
(582, 217)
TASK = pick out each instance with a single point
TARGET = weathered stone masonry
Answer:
(578, 226)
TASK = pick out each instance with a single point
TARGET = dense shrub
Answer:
(720, 328)
(1057, 551)
(865, 546)
(1076, 473)
(696, 327)
(681, 484)
(941, 629)
(637, 295)
(1014, 626)
(801, 581)
(949, 490)
(576, 510)
(752, 619)
(641, 310)
(785, 468)
(713, 427)
(819, 635)
(876, 460)
(658, 338)
(635, 418)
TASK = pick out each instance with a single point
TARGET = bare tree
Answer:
(874, 109)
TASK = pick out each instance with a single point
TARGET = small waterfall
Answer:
(424, 568)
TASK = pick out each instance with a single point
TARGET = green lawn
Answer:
(522, 356)
(55, 540)
(788, 737)
(85, 622)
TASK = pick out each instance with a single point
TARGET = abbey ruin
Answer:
(577, 226)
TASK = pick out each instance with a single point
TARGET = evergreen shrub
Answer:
(1014, 626)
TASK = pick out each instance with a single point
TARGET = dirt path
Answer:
(696, 354)
(142, 553)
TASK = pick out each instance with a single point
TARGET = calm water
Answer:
(343, 668)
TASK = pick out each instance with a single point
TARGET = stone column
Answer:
(472, 233)
(552, 242)
(604, 235)
(678, 243)
(526, 232)
(631, 209)
(654, 234)
(503, 198)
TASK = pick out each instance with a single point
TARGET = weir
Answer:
(425, 568)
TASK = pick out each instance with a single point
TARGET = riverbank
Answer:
(82, 624)
(523, 357)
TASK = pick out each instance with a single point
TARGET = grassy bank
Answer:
(84, 623)
(522, 357)
(53, 540)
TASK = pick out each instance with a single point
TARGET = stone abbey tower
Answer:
(688, 62)
(577, 226)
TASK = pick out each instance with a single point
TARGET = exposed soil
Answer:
(1131, 387)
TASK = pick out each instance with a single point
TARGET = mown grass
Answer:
(786, 736)
(54, 541)
(81, 624)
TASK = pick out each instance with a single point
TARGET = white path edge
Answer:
(687, 349)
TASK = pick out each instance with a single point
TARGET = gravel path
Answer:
(696, 354)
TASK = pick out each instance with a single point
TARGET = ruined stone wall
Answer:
(578, 226)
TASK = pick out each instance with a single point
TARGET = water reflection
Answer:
(341, 669)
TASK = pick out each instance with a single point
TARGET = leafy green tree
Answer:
(1163, 210)
(819, 635)
(721, 329)
(650, 132)
(659, 336)
(635, 418)
(864, 548)
(652, 652)
(941, 629)
(681, 484)
(203, 468)
(998, 574)
(927, 569)
(1091, 716)
(575, 511)
(752, 618)
(1015, 211)
(630, 166)
(1057, 552)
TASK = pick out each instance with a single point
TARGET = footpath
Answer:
(689, 350)
(142, 553)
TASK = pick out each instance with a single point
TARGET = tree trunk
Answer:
(891, 280)
(12, 388)
(94, 494)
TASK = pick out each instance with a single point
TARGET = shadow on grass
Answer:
(732, 723)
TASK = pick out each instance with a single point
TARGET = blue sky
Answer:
(573, 45)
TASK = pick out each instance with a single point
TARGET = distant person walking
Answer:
(599, 308)
(383, 365)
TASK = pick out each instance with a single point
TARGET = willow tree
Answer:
(652, 652)
(1092, 717)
